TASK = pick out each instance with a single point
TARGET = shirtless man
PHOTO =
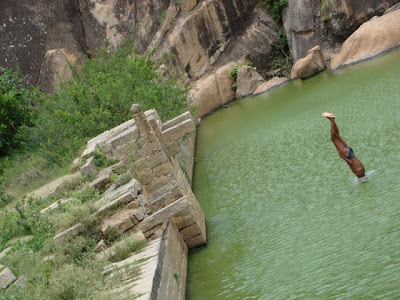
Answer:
(345, 151)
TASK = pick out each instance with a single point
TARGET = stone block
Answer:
(123, 199)
(185, 219)
(140, 213)
(89, 168)
(6, 278)
(183, 117)
(69, 232)
(142, 199)
(163, 169)
(160, 202)
(179, 130)
(147, 149)
(145, 176)
(197, 241)
(157, 183)
(123, 152)
(191, 231)
(170, 186)
(128, 136)
(89, 151)
(113, 193)
(164, 214)
(118, 223)
(152, 113)
(100, 182)
(160, 231)
(20, 283)
(152, 161)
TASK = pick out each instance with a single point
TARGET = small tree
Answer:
(15, 106)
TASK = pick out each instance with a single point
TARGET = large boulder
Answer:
(308, 66)
(247, 81)
(372, 38)
(270, 85)
(327, 23)
(55, 68)
(213, 91)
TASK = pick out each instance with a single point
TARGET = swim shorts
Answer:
(351, 153)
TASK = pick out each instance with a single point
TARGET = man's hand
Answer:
(346, 159)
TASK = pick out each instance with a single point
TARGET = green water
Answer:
(285, 216)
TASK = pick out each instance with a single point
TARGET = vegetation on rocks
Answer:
(51, 128)
(275, 8)
(40, 134)
(281, 57)
(57, 270)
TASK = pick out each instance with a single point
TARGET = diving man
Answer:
(345, 152)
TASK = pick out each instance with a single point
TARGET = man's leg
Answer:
(335, 136)
(336, 139)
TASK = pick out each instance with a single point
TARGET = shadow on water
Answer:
(286, 218)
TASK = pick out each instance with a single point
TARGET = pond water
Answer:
(286, 218)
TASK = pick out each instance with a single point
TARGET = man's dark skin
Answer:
(354, 163)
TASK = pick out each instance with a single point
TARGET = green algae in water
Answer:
(285, 216)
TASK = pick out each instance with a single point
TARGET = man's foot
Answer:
(328, 115)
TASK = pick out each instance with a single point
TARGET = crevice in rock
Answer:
(85, 43)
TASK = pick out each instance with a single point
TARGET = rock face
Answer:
(216, 33)
(306, 67)
(372, 38)
(201, 35)
(247, 81)
(327, 23)
(30, 28)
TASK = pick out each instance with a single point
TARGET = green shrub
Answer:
(98, 99)
(281, 54)
(15, 106)
(275, 8)
(233, 73)
(71, 282)
(10, 226)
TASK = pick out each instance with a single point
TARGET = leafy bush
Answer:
(15, 106)
(281, 53)
(233, 73)
(98, 99)
(275, 8)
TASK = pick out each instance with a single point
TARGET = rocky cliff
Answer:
(328, 23)
(36, 35)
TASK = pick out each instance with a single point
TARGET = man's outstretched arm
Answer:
(346, 159)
